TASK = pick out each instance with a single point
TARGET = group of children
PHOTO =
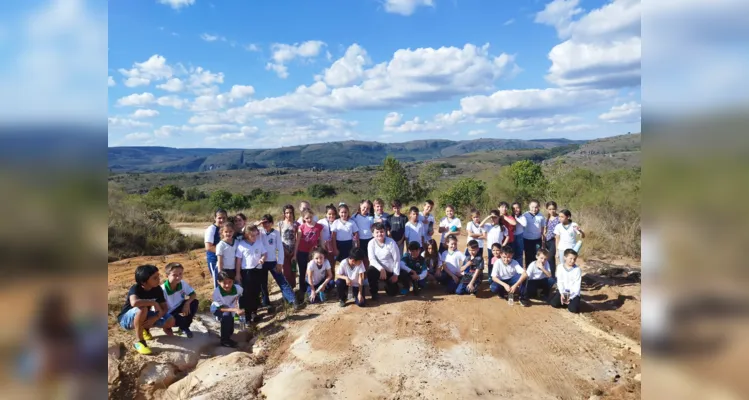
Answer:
(372, 248)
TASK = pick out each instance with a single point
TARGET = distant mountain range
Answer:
(334, 155)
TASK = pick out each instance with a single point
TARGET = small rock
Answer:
(638, 377)
(598, 392)
(594, 398)
(328, 384)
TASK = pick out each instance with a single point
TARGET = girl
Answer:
(288, 228)
(251, 255)
(448, 225)
(309, 236)
(319, 276)
(475, 231)
(518, 246)
(212, 237)
(226, 250)
(566, 236)
(344, 233)
(552, 220)
(240, 220)
(509, 222)
(327, 233)
(364, 220)
(496, 234)
(350, 274)
(433, 261)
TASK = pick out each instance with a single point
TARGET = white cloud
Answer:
(252, 47)
(241, 91)
(509, 22)
(172, 85)
(349, 69)
(172, 101)
(529, 103)
(117, 122)
(203, 82)
(212, 38)
(441, 122)
(153, 69)
(285, 53)
(177, 4)
(166, 131)
(138, 136)
(406, 7)
(145, 113)
(110, 82)
(559, 14)
(628, 112)
(136, 100)
(526, 124)
(476, 132)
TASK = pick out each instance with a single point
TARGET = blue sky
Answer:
(249, 74)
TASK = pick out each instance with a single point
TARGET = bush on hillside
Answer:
(528, 178)
(194, 194)
(220, 199)
(464, 194)
(392, 183)
(321, 190)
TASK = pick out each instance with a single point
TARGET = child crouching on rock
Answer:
(319, 276)
(225, 304)
(350, 273)
(181, 300)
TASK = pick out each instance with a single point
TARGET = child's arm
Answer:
(296, 244)
(465, 265)
(575, 285)
(138, 302)
(220, 262)
(483, 222)
(309, 279)
(472, 284)
(334, 241)
(328, 278)
(580, 231)
(509, 220)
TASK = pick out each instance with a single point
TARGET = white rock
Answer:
(228, 377)
(180, 351)
(157, 374)
(638, 377)
(113, 369)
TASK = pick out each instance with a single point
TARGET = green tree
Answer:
(220, 199)
(464, 194)
(430, 176)
(238, 201)
(321, 190)
(392, 182)
(528, 178)
(167, 191)
(194, 194)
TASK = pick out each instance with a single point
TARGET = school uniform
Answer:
(417, 265)
(274, 246)
(532, 233)
(537, 280)
(228, 259)
(308, 240)
(518, 245)
(344, 232)
(568, 280)
(223, 299)
(212, 235)
(509, 274)
(474, 228)
(415, 233)
(384, 219)
(353, 273)
(385, 256)
(364, 224)
(175, 300)
(397, 230)
(476, 267)
(251, 271)
(495, 234)
(567, 239)
(319, 273)
(428, 222)
(551, 224)
(453, 262)
(452, 226)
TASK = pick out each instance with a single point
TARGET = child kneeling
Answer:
(507, 275)
(539, 276)
(569, 278)
(225, 304)
(319, 276)
(415, 266)
(472, 270)
(350, 273)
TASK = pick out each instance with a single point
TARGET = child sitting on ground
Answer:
(433, 261)
(452, 261)
(539, 276)
(181, 301)
(569, 278)
(472, 269)
(319, 276)
(225, 304)
(507, 275)
(415, 265)
(136, 312)
(350, 273)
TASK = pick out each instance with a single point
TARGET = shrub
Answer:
(464, 194)
(321, 190)
(392, 182)
(528, 179)
(220, 199)
(194, 194)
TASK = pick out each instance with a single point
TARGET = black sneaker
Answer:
(254, 317)
(228, 343)
(188, 333)
(525, 303)
(341, 303)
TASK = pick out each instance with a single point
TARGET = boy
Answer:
(475, 231)
(384, 258)
(137, 314)
(225, 304)
(472, 269)
(453, 260)
(539, 276)
(350, 273)
(273, 264)
(415, 265)
(427, 218)
(397, 225)
(181, 300)
(507, 275)
(568, 284)
(533, 232)
(380, 215)
(415, 230)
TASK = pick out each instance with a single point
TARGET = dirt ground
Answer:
(438, 346)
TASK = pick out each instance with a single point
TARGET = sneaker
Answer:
(142, 349)
(341, 303)
(179, 332)
(254, 317)
(188, 333)
(525, 303)
(404, 291)
(147, 335)
(229, 343)
(322, 297)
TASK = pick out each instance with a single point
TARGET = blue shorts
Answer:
(128, 319)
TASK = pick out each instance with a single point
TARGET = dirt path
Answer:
(190, 228)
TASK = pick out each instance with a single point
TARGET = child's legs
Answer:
(530, 250)
(462, 288)
(405, 280)
(286, 290)
(556, 300)
(244, 299)
(287, 272)
(344, 249)
(184, 322)
(361, 303)
(551, 247)
(390, 288)
(546, 286)
(213, 269)
(574, 306)
(496, 288)
(531, 288)
(373, 277)
(227, 324)
(255, 276)
(451, 285)
(137, 319)
(518, 248)
(342, 289)
(363, 243)
(267, 267)
(302, 258)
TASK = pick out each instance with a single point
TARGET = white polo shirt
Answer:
(351, 272)
(250, 253)
(454, 261)
(505, 272)
(534, 227)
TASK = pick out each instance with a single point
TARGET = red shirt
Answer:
(310, 237)
(510, 228)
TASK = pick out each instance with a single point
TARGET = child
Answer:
(533, 233)
(448, 225)
(507, 275)
(518, 247)
(539, 276)
(568, 284)
(309, 237)
(453, 260)
(319, 276)
(181, 301)
(288, 228)
(496, 234)
(226, 250)
(240, 220)
(380, 215)
(273, 264)
(364, 220)
(475, 231)
(137, 314)
(251, 255)
(385, 258)
(433, 261)
(350, 273)
(552, 220)
(415, 231)
(566, 235)
(427, 218)
(472, 269)
(415, 265)
(344, 232)
(508, 221)
(224, 305)
(327, 233)
(397, 225)
(303, 206)
(212, 237)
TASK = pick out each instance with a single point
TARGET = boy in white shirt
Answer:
(273, 264)
(350, 273)
(453, 260)
(569, 278)
(181, 301)
(427, 218)
(319, 276)
(507, 275)
(496, 233)
(225, 304)
(415, 231)
(540, 276)
(384, 259)
(475, 231)
(450, 225)
(533, 232)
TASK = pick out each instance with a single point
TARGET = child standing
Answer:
(540, 276)
(364, 220)
(345, 232)
(327, 232)
(569, 279)
(224, 305)
(397, 225)
(415, 231)
(240, 220)
(471, 269)
(308, 237)
(533, 233)
(427, 218)
(507, 276)
(449, 225)
(181, 301)
(518, 247)
(212, 237)
(350, 274)
(136, 313)
(288, 228)
(226, 250)
(415, 265)
(319, 276)
(566, 234)
(497, 234)
(508, 221)
(552, 220)
(475, 231)
(303, 206)
(453, 260)
(273, 264)
(251, 255)
(380, 215)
